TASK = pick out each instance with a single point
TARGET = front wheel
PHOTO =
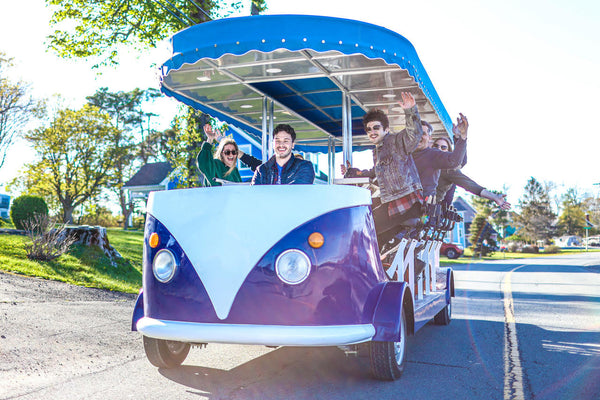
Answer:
(444, 316)
(165, 353)
(388, 358)
(451, 253)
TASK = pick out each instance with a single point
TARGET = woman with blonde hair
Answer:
(223, 164)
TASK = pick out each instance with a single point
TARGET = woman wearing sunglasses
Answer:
(223, 165)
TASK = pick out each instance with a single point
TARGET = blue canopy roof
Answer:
(305, 64)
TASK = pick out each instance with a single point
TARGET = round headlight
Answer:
(292, 266)
(164, 266)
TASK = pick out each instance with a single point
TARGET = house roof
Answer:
(150, 174)
(462, 205)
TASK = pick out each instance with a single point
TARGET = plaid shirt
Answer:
(403, 204)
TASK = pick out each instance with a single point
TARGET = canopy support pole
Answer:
(347, 128)
(265, 133)
(331, 159)
(267, 128)
(271, 125)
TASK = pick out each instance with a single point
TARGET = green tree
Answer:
(17, 107)
(536, 220)
(74, 157)
(572, 217)
(481, 232)
(180, 145)
(591, 205)
(100, 27)
(129, 118)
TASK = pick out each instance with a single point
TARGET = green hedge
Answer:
(25, 207)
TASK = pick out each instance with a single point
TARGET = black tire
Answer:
(451, 253)
(444, 316)
(165, 353)
(389, 358)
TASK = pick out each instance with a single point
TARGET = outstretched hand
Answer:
(461, 127)
(211, 134)
(502, 203)
(408, 100)
(347, 167)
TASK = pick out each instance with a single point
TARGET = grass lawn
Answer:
(85, 266)
(467, 258)
(81, 266)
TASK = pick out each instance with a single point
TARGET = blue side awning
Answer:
(304, 64)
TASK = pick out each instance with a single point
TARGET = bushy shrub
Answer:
(25, 208)
(530, 249)
(515, 247)
(48, 241)
(552, 249)
(514, 238)
(138, 222)
(99, 216)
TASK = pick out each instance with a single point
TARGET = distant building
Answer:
(151, 177)
(459, 235)
(569, 241)
(4, 206)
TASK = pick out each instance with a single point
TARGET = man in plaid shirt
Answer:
(394, 168)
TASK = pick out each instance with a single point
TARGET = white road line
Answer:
(513, 373)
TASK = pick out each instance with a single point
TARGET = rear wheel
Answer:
(444, 316)
(388, 358)
(165, 353)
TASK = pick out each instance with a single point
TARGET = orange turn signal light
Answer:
(316, 240)
(153, 241)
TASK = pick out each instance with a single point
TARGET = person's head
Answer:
(284, 137)
(228, 153)
(442, 144)
(376, 125)
(426, 138)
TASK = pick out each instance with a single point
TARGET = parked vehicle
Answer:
(291, 265)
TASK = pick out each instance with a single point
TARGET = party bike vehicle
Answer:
(292, 265)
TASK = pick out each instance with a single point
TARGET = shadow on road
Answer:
(285, 373)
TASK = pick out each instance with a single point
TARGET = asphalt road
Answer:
(528, 329)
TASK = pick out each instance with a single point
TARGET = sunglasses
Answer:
(441, 147)
(230, 152)
(374, 128)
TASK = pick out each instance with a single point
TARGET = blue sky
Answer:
(524, 72)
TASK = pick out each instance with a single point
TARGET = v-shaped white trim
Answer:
(226, 230)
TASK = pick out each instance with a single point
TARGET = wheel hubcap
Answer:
(175, 347)
(399, 346)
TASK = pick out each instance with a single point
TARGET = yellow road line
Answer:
(513, 373)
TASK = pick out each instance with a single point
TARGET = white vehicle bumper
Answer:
(270, 335)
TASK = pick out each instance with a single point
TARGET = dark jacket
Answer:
(251, 161)
(449, 179)
(430, 161)
(394, 167)
(295, 171)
